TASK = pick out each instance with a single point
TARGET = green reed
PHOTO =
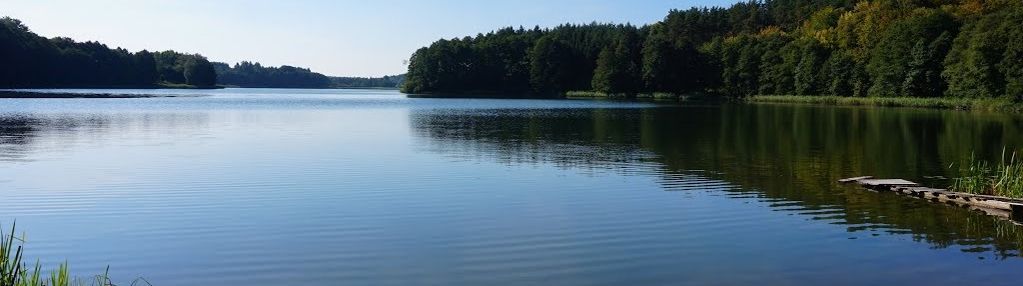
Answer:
(1009, 177)
(10, 259)
(14, 272)
(980, 177)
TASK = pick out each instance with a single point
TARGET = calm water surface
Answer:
(330, 187)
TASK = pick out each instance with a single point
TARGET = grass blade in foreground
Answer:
(14, 273)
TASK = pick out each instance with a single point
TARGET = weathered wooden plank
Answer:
(988, 197)
(915, 189)
(853, 179)
(992, 205)
(886, 182)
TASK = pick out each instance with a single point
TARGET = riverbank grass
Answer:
(1004, 179)
(918, 102)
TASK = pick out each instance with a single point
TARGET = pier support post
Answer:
(1017, 212)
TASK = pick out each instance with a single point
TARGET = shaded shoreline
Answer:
(1000, 105)
(61, 94)
(963, 104)
(484, 95)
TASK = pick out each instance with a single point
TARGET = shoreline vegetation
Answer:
(168, 85)
(966, 104)
(1003, 179)
(653, 95)
(962, 104)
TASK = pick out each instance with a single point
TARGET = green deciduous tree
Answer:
(199, 72)
(972, 65)
(809, 80)
(618, 69)
(549, 66)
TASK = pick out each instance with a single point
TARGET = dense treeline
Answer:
(387, 81)
(28, 60)
(923, 48)
(249, 74)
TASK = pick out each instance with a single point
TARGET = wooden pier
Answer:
(992, 205)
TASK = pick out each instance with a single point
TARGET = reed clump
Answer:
(981, 177)
(14, 272)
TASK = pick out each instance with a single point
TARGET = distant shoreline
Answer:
(148, 86)
(108, 93)
(332, 87)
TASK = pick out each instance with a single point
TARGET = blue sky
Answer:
(358, 38)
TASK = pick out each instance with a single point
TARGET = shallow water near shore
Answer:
(323, 187)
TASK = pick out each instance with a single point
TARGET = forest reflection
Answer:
(787, 155)
(24, 134)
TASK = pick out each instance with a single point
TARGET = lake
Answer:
(368, 187)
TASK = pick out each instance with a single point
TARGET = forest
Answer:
(387, 81)
(31, 61)
(251, 74)
(885, 48)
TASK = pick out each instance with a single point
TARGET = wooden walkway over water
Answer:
(992, 205)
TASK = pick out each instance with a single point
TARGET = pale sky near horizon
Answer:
(340, 38)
